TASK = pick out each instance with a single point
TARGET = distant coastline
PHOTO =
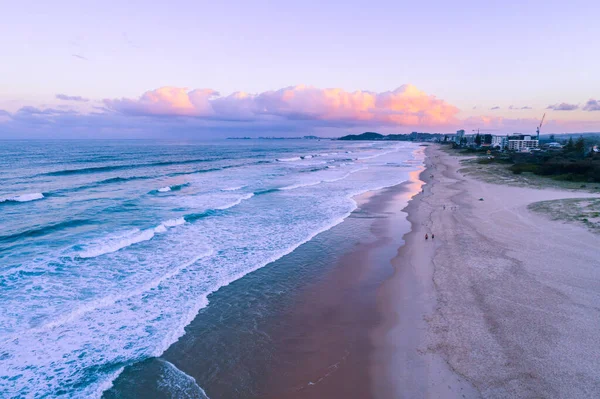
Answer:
(414, 136)
(281, 138)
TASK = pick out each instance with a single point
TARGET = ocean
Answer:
(109, 249)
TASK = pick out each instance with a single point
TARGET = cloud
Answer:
(167, 101)
(81, 57)
(172, 112)
(494, 108)
(563, 107)
(526, 107)
(405, 105)
(512, 107)
(71, 98)
(592, 105)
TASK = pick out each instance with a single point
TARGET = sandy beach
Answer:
(502, 303)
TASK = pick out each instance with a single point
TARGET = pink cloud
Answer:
(167, 101)
(406, 105)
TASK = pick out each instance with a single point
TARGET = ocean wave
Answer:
(111, 168)
(23, 198)
(291, 159)
(118, 242)
(174, 222)
(41, 231)
(236, 202)
(110, 300)
(192, 217)
(266, 191)
(300, 185)
(315, 183)
(166, 189)
(378, 154)
(346, 175)
(315, 169)
(191, 172)
(179, 384)
(112, 180)
(116, 180)
(232, 188)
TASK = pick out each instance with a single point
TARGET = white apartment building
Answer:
(522, 142)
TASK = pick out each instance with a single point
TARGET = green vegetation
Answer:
(582, 211)
(575, 162)
(571, 164)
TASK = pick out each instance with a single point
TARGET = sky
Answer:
(114, 69)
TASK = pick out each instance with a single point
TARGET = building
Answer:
(458, 137)
(499, 141)
(486, 140)
(521, 142)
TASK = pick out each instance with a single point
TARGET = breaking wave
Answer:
(23, 198)
(117, 242)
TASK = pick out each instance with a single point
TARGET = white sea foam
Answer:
(164, 189)
(315, 183)
(236, 188)
(178, 384)
(300, 185)
(117, 242)
(174, 222)
(23, 198)
(111, 300)
(346, 175)
(236, 202)
(292, 159)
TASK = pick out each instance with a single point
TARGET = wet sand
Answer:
(328, 338)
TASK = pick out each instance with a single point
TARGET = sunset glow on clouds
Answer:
(169, 111)
(404, 106)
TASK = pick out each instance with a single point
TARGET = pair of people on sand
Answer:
(427, 236)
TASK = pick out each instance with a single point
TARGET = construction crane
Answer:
(539, 127)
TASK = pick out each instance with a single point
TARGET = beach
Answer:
(503, 303)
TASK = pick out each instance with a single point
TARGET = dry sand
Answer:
(502, 303)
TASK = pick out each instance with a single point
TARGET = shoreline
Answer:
(319, 319)
(400, 365)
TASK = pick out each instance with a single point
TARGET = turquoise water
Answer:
(109, 249)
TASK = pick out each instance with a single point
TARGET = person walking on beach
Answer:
(432, 236)
(426, 236)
